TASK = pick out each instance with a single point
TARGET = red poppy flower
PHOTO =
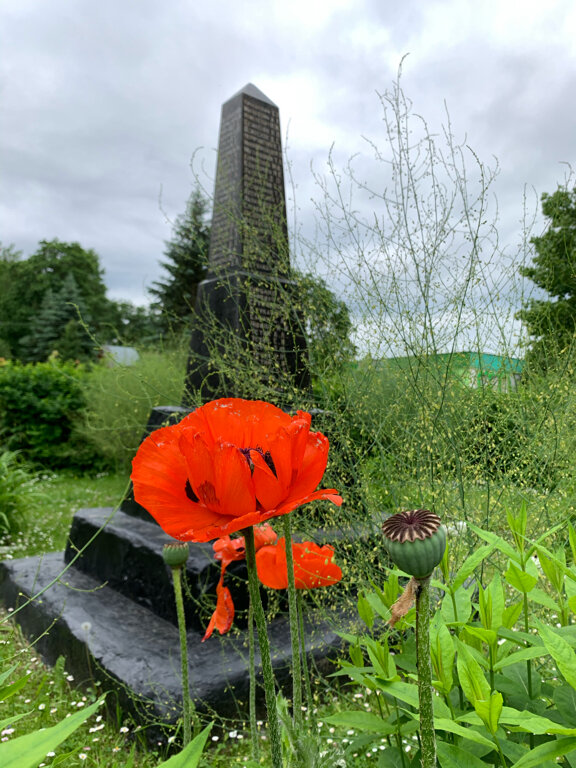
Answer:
(228, 465)
(313, 565)
(227, 550)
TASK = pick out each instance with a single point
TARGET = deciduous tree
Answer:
(551, 321)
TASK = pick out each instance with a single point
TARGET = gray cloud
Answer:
(103, 106)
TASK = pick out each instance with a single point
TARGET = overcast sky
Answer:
(103, 104)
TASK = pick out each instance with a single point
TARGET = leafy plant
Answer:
(19, 492)
(504, 664)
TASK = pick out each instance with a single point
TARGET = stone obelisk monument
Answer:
(245, 308)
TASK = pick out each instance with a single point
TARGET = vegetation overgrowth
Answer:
(415, 251)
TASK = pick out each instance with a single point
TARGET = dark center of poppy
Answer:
(266, 456)
(190, 492)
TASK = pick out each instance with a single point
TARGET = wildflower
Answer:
(228, 465)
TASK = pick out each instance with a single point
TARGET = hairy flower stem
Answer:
(424, 663)
(267, 672)
(252, 671)
(309, 698)
(294, 628)
(186, 727)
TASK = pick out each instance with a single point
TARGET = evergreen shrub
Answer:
(41, 407)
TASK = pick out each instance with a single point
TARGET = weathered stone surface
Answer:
(104, 635)
(127, 555)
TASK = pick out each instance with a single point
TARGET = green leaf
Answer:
(561, 652)
(524, 581)
(565, 702)
(472, 680)
(543, 598)
(572, 538)
(451, 756)
(445, 724)
(366, 612)
(524, 655)
(547, 751)
(191, 754)
(489, 711)
(470, 564)
(409, 694)
(486, 635)
(381, 658)
(442, 653)
(512, 614)
(496, 541)
(531, 723)
(9, 690)
(29, 750)
(553, 569)
(463, 599)
(361, 721)
(517, 524)
(5, 675)
(9, 720)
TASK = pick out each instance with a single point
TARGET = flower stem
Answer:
(252, 670)
(267, 672)
(294, 628)
(310, 701)
(427, 734)
(177, 579)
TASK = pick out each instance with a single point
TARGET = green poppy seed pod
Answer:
(415, 540)
(175, 555)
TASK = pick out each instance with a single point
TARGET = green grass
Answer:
(57, 496)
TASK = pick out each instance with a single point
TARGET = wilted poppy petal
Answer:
(271, 567)
(227, 550)
(263, 535)
(223, 616)
(313, 565)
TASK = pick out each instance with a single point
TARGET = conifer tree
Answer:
(57, 326)
(186, 262)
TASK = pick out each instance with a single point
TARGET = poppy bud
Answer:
(175, 555)
(415, 540)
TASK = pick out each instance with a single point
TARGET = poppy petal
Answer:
(271, 567)
(313, 565)
(159, 477)
(223, 616)
(312, 466)
(220, 477)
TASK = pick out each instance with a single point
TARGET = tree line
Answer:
(55, 301)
